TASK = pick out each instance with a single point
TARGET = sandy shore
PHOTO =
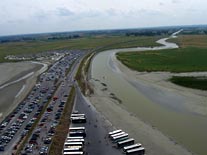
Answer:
(156, 87)
(159, 81)
(16, 83)
(153, 140)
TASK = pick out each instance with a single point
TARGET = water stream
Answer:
(164, 110)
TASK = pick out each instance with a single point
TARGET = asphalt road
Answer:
(97, 128)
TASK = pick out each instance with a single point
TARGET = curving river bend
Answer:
(162, 109)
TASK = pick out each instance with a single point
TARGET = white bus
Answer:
(77, 115)
(73, 153)
(78, 119)
(77, 134)
(117, 134)
(75, 140)
(127, 142)
(137, 151)
(74, 149)
(114, 132)
(71, 147)
(134, 146)
(77, 128)
(80, 137)
(119, 138)
(66, 144)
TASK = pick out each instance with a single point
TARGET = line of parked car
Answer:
(25, 114)
(16, 126)
(123, 141)
(40, 141)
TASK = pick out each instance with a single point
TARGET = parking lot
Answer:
(97, 128)
(16, 126)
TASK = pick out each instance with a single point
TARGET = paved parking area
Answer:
(97, 128)
(16, 126)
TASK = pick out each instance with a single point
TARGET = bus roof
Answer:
(115, 131)
(73, 143)
(73, 153)
(75, 140)
(120, 136)
(77, 114)
(117, 134)
(132, 146)
(77, 128)
(79, 117)
(135, 150)
(125, 141)
(79, 137)
(72, 149)
(72, 146)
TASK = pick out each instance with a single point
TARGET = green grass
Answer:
(191, 41)
(173, 60)
(89, 43)
(81, 70)
(191, 82)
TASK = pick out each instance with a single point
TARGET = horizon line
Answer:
(112, 29)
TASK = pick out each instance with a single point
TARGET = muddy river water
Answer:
(162, 110)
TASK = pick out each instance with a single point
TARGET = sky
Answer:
(38, 16)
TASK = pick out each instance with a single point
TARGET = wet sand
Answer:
(16, 83)
(154, 91)
(153, 140)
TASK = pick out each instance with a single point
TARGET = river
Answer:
(161, 109)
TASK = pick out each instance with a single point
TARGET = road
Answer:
(97, 128)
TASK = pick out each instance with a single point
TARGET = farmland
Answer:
(86, 43)
(189, 58)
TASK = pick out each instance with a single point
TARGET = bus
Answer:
(74, 149)
(74, 129)
(76, 140)
(114, 132)
(80, 137)
(77, 128)
(78, 119)
(120, 138)
(127, 142)
(117, 134)
(73, 153)
(77, 131)
(77, 115)
(77, 134)
(137, 151)
(134, 146)
(66, 144)
(72, 146)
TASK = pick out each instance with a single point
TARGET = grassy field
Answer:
(90, 43)
(191, 82)
(190, 57)
(176, 60)
(191, 41)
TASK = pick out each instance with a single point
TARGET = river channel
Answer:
(168, 116)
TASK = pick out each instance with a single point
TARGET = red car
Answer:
(55, 98)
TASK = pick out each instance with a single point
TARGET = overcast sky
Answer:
(36, 16)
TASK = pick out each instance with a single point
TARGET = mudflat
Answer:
(16, 80)
(14, 70)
